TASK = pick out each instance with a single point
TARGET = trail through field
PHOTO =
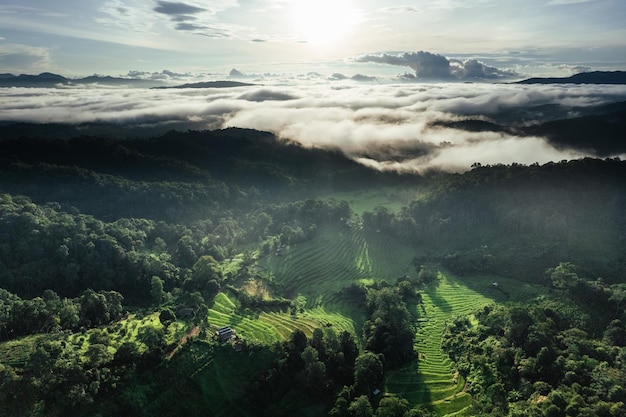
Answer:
(193, 332)
(432, 380)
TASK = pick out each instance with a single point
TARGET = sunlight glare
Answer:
(323, 21)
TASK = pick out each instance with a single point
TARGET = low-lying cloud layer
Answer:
(385, 126)
(429, 66)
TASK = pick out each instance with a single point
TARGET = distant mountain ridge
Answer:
(47, 79)
(593, 77)
(210, 84)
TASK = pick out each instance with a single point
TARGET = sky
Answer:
(508, 38)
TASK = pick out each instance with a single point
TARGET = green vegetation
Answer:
(337, 290)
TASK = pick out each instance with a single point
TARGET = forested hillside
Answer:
(121, 258)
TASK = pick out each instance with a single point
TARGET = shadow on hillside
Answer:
(411, 384)
(439, 301)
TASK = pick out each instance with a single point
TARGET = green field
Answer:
(431, 380)
(319, 268)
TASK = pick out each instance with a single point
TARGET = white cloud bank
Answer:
(387, 126)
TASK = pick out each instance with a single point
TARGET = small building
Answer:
(185, 313)
(225, 333)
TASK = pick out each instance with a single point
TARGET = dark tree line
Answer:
(518, 220)
(51, 313)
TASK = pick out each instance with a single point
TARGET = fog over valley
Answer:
(399, 126)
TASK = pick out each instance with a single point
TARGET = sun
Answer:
(322, 21)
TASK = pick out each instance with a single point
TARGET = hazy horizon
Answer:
(115, 37)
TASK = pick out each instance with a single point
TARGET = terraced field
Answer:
(334, 259)
(319, 269)
(269, 327)
(431, 380)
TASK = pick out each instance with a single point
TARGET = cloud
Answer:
(117, 13)
(165, 75)
(200, 18)
(387, 126)
(401, 9)
(177, 9)
(565, 2)
(429, 66)
(16, 58)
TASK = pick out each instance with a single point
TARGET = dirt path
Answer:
(193, 332)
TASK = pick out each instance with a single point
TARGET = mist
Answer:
(386, 126)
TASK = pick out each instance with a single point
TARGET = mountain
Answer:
(47, 79)
(594, 77)
(211, 84)
(108, 80)
(599, 130)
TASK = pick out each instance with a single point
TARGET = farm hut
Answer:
(224, 333)
(185, 313)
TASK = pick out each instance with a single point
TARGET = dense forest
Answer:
(122, 260)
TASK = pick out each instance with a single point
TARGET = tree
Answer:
(127, 353)
(426, 274)
(205, 270)
(368, 374)
(564, 275)
(389, 330)
(615, 333)
(419, 411)
(156, 289)
(152, 337)
(361, 407)
(314, 371)
(317, 341)
(167, 317)
(295, 347)
(99, 337)
(68, 314)
(97, 355)
(93, 308)
(342, 402)
(392, 407)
